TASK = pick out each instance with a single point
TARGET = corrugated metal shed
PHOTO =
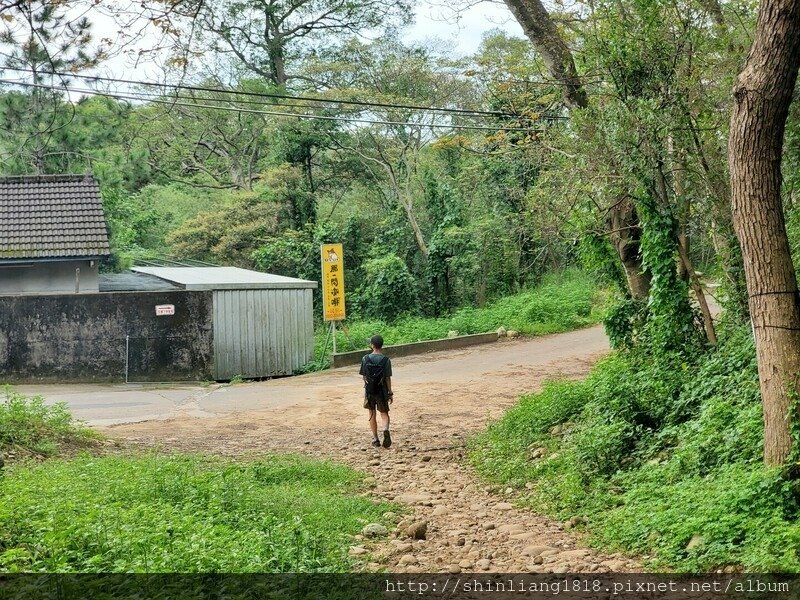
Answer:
(263, 324)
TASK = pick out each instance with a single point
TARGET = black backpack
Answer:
(375, 375)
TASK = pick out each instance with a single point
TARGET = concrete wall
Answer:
(82, 337)
(344, 359)
(57, 277)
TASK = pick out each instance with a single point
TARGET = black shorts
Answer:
(377, 401)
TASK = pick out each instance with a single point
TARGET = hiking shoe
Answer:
(387, 439)
(376, 443)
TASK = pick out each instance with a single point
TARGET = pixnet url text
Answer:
(616, 587)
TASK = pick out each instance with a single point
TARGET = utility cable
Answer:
(273, 95)
(118, 96)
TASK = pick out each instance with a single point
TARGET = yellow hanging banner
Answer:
(332, 282)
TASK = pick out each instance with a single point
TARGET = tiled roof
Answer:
(51, 216)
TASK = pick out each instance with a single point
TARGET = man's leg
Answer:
(387, 438)
(373, 425)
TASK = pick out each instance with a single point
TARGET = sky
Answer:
(434, 20)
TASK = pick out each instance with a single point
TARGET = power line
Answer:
(119, 96)
(275, 96)
(150, 98)
(238, 101)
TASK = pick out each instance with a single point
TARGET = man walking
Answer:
(376, 369)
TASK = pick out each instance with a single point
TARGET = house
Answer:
(52, 234)
(168, 321)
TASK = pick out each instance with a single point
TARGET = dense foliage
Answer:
(655, 451)
(432, 218)
(449, 216)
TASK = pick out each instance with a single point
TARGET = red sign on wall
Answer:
(163, 310)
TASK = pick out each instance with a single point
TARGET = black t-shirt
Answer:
(375, 359)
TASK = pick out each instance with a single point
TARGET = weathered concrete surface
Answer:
(344, 359)
(82, 337)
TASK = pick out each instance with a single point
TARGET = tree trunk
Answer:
(277, 64)
(540, 29)
(684, 208)
(762, 95)
(694, 282)
(625, 230)
(418, 235)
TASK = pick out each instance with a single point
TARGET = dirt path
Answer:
(440, 399)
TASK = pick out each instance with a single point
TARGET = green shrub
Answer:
(600, 446)
(738, 512)
(655, 450)
(388, 290)
(181, 514)
(29, 425)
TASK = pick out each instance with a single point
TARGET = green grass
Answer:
(654, 451)
(563, 301)
(181, 514)
(29, 426)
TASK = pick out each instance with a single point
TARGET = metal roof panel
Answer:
(224, 278)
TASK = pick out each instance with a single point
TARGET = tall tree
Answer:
(390, 151)
(39, 38)
(762, 95)
(657, 68)
(622, 220)
(268, 37)
(195, 143)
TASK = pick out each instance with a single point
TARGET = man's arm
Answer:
(388, 378)
(389, 392)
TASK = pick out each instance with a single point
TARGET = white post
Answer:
(127, 345)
